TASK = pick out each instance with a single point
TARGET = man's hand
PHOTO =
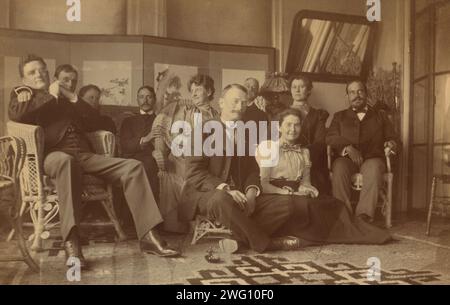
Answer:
(355, 155)
(54, 89)
(261, 103)
(308, 190)
(71, 96)
(24, 96)
(389, 147)
(251, 200)
(145, 140)
(239, 198)
(160, 160)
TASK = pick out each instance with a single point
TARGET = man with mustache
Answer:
(135, 140)
(227, 187)
(65, 118)
(359, 136)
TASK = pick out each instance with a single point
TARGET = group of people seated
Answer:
(278, 201)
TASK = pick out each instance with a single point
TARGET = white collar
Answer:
(143, 112)
(251, 103)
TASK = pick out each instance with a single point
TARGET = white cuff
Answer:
(344, 152)
(258, 191)
(223, 186)
(23, 88)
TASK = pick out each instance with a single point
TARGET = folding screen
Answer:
(119, 65)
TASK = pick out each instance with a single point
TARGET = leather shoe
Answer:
(152, 244)
(285, 243)
(228, 245)
(72, 248)
(365, 218)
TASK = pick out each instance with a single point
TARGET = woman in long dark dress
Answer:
(317, 218)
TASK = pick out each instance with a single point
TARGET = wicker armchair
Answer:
(385, 193)
(12, 157)
(39, 196)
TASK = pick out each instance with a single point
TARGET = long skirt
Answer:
(326, 220)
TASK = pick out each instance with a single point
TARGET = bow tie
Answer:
(360, 111)
(195, 109)
(290, 147)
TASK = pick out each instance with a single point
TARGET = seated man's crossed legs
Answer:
(67, 171)
(372, 171)
(253, 231)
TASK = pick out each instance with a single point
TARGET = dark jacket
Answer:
(106, 123)
(132, 130)
(313, 127)
(53, 115)
(368, 135)
(253, 113)
(204, 174)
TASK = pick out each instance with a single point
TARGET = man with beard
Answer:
(359, 135)
(135, 136)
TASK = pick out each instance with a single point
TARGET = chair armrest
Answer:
(388, 153)
(103, 142)
(12, 157)
(329, 156)
(31, 179)
(33, 136)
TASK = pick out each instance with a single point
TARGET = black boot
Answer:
(152, 243)
(72, 248)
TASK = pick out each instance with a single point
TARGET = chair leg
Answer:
(107, 204)
(196, 232)
(23, 246)
(430, 208)
(199, 230)
(388, 216)
(37, 216)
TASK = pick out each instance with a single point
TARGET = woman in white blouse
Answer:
(316, 218)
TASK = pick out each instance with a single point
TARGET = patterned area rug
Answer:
(261, 269)
(405, 263)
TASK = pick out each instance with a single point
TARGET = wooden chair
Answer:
(205, 227)
(385, 192)
(12, 158)
(38, 193)
(439, 205)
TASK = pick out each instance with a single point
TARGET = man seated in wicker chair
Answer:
(360, 135)
(66, 118)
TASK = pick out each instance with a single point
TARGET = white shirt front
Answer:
(143, 112)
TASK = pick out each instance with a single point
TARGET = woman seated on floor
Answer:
(316, 219)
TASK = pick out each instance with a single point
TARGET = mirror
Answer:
(330, 47)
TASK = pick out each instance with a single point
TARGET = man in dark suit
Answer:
(135, 140)
(227, 187)
(91, 95)
(359, 135)
(253, 113)
(66, 118)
